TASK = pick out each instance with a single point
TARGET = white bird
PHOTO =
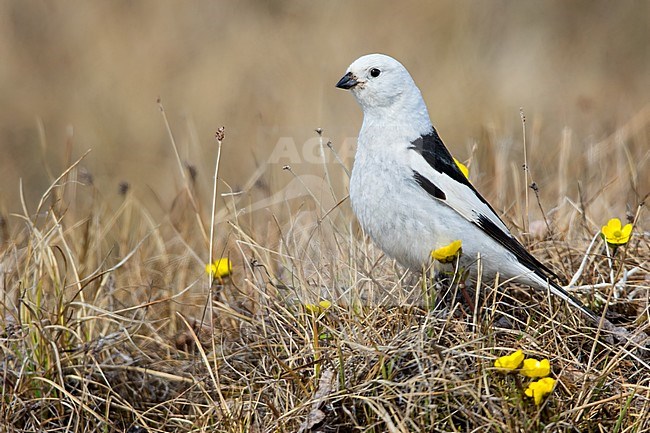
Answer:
(409, 195)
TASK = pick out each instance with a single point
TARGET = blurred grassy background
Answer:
(91, 73)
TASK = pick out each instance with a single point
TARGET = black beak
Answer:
(347, 82)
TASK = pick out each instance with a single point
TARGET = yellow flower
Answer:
(509, 362)
(463, 167)
(535, 368)
(540, 388)
(220, 268)
(447, 253)
(614, 234)
(315, 309)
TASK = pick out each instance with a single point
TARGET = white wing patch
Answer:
(460, 197)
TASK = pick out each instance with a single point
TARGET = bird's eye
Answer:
(374, 72)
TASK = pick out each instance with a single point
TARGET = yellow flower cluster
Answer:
(535, 368)
(447, 253)
(317, 308)
(510, 362)
(531, 368)
(537, 390)
(219, 268)
(615, 233)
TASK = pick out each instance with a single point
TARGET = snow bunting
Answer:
(410, 196)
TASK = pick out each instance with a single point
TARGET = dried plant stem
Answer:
(527, 178)
(213, 211)
(583, 263)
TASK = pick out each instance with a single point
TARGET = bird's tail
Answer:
(561, 293)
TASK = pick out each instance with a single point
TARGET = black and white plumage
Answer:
(410, 196)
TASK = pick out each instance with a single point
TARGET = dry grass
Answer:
(108, 323)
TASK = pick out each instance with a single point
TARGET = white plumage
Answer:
(409, 195)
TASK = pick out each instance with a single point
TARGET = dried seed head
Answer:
(123, 187)
(220, 134)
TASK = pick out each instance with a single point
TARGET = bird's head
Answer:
(379, 82)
